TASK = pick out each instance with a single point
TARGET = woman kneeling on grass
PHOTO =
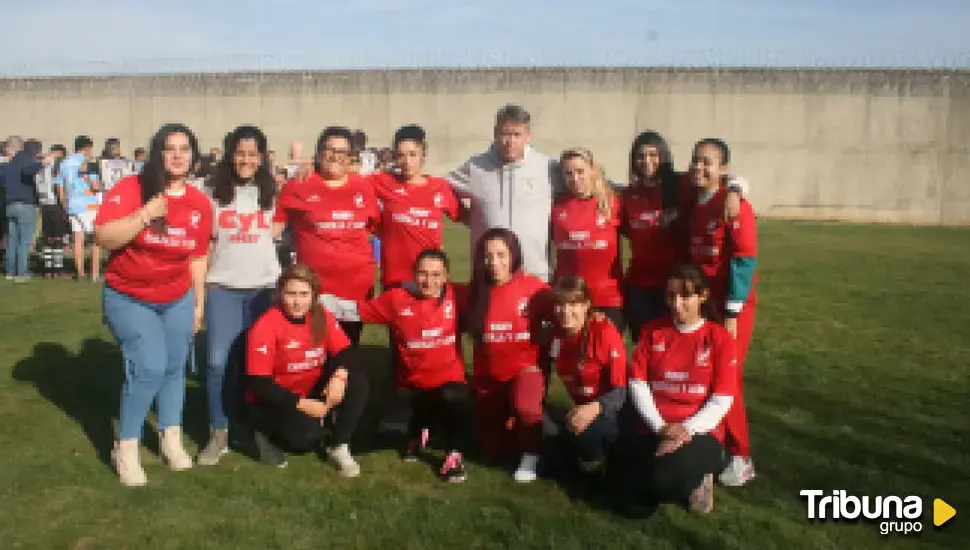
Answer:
(296, 362)
(590, 359)
(683, 382)
(423, 318)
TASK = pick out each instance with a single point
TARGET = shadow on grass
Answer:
(86, 386)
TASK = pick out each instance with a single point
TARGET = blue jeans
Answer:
(21, 226)
(228, 315)
(154, 341)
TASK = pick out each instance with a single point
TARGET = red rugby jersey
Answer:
(713, 242)
(331, 232)
(412, 219)
(513, 324)
(284, 350)
(426, 333)
(154, 267)
(685, 369)
(654, 250)
(587, 246)
(603, 365)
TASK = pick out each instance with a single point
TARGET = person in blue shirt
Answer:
(20, 198)
(78, 187)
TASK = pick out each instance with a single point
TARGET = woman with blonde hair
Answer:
(298, 376)
(585, 232)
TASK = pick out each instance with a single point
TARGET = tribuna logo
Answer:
(895, 514)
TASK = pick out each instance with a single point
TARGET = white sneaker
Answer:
(526, 472)
(173, 453)
(739, 471)
(127, 463)
(341, 458)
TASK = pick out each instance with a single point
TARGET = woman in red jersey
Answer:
(727, 251)
(590, 358)
(431, 376)
(683, 382)
(297, 371)
(584, 232)
(333, 212)
(506, 312)
(655, 217)
(157, 228)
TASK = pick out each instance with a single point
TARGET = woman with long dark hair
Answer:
(243, 270)
(158, 229)
(585, 223)
(299, 376)
(683, 382)
(656, 213)
(507, 312)
(333, 213)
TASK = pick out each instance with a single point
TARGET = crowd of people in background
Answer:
(274, 258)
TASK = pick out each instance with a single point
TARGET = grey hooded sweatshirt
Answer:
(517, 196)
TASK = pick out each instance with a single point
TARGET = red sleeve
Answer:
(335, 339)
(120, 201)
(449, 202)
(205, 227)
(614, 354)
(373, 208)
(380, 310)
(284, 198)
(261, 346)
(641, 355)
(744, 233)
(725, 379)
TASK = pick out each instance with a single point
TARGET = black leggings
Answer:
(652, 480)
(643, 305)
(592, 445)
(448, 407)
(352, 329)
(298, 432)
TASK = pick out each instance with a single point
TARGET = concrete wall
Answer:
(834, 144)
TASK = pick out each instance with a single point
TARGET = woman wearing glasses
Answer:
(333, 213)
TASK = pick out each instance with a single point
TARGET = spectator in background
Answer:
(54, 222)
(158, 228)
(243, 271)
(20, 196)
(112, 149)
(385, 160)
(139, 160)
(366, 158)
(79, 191)
(511, 185)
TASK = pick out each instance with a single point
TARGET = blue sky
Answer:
(108, 36)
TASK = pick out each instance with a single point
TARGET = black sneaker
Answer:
(453, 470)
(416, 446)
(268, 453)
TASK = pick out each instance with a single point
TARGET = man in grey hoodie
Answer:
(512, 185)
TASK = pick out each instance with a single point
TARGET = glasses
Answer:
(336, 153)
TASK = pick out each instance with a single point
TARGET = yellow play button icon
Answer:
(942, 512)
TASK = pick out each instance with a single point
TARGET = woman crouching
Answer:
(298, 376)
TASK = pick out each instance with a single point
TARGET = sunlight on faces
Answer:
(498, 260)
(409, 157)
(177, 156)
(512, 137)
(684, 302)
(579, 176)
(648, 160)
(335, 158)
(297, 297)
(246, 159)
(707, 167)
(430, 274)
(571, 313)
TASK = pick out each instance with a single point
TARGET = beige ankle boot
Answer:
(127, 463)
(173, 453)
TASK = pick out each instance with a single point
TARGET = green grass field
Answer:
(856, 380)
